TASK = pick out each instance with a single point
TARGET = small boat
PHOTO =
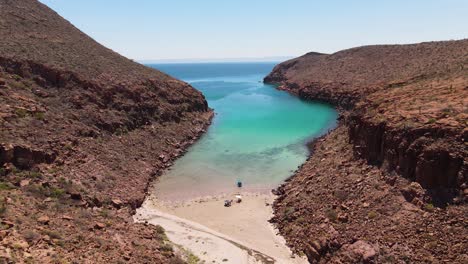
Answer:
(239, 184)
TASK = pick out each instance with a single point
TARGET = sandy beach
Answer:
(217, 234)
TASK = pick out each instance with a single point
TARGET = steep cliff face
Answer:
(394, 172)
(339, 209)
(83, 131)
(408, 104)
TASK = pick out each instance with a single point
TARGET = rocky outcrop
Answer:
(414, 145)
(278, 75)
(389, 184)
(432, 157)
(336, 199)
(136, 102)
(24, 157)
(81, 130)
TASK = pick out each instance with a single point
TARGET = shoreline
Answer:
(237, 234)
(376, 157)
(174, 155)
(230, 231)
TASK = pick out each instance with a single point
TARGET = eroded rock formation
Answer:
(394, 173)
(81, 130)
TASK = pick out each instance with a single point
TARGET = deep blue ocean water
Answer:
(258, 135)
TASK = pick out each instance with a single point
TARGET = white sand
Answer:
(217, 234)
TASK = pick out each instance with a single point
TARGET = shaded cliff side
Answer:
(403, 112)
(83, 131)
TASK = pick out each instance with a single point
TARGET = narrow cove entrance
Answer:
(258, 135)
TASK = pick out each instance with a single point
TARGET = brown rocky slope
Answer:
(83, 132)
(393, 175)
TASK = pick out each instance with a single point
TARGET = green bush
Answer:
(18, 85)
(289, 211)
(56, 192)
(372, 215)
(52, 234)
(30, 235)
(341, 195)
(331, 214)
(166, 247)
(160, 229)
(192, 259)
(39, 115)
(16, 77)
(161, 233)
(104, 213)
(4, 186)
(3, 206)
(40, 190)
(429, 207)
(29, 174)
(21, 113)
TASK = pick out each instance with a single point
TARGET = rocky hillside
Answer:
(394, 173)
(83, 131)
(345, 76)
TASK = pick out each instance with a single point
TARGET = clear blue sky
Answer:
(187, 29)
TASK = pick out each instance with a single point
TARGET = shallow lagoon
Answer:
(258, 135)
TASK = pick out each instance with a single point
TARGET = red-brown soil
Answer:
(389, 185)
(83, 131)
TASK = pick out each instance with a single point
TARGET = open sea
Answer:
(258, 135)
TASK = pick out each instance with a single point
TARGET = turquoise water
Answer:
(258, 135)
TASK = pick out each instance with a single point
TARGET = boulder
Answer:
(342, 217)
(414, 193)
(117, 203)
(3, 234)
(7, 224)
(312, 255)
(24, 183)
(43, 220)
(75, 195)
(46, 238)
(99, 225)
(22, 244)
(67, 217)
(359, 250)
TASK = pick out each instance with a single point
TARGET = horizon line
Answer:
(210, 60)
